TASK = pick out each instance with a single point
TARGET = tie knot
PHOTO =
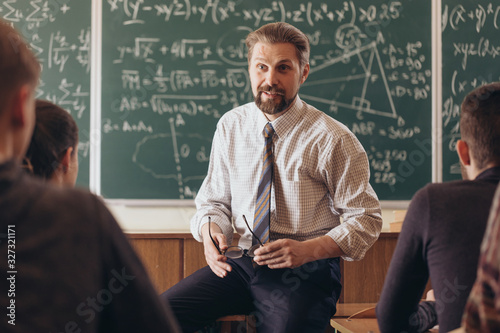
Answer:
(268, 130)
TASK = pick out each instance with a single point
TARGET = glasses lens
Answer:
(252, 249)
(234, 252)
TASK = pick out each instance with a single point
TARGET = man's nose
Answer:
(272, 77)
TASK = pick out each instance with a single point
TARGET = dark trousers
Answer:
(302, 299)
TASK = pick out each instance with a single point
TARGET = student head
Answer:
(19, 73)
(479, 147)
(278, 63)
(53, 151)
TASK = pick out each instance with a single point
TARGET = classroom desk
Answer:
(345, 310)
(364, 325)
(361, 325)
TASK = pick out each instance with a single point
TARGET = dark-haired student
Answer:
(53, 150)
(66, 265)
(444, 227)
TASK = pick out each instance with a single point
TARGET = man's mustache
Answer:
(272, 90)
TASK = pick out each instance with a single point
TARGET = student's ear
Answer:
(463, 152)
(20, 102)
(305, 73)
(66, 160)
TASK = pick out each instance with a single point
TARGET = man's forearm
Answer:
(322, 248)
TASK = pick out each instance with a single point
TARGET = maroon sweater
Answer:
(440, 239)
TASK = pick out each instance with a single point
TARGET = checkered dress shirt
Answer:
(321, 174)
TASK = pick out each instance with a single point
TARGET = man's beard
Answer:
(270, 107)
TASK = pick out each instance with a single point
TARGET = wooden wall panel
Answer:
(363, 280)
(170, 257)
(162, 259)
(194, 257)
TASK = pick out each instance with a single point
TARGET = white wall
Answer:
(134, 219)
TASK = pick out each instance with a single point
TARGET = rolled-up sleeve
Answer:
(214, 197)
(354, 198)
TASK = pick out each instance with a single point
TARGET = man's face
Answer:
(276, 76)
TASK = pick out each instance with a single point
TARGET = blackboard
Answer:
(170, 69)
(471, 57)
(59, 34)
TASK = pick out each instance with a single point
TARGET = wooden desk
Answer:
(345, 310)
(344, 325)
(365, 325)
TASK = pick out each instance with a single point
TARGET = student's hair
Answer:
(280, 32)
(55, 131)
(480, 124)
(18, 65)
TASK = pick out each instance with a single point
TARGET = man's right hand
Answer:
(215, 260)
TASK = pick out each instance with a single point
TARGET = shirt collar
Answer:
(491, 174)
(286, 121)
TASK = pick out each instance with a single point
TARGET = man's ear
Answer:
(463, 152)
(66, 159)
(305, 73)
(20, 100)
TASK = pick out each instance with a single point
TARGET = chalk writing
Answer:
(471, 51)
(58, 32)
(172, 69)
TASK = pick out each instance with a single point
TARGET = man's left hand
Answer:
(283, 253)
(289, 253)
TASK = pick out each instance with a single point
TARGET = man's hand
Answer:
(288, 253)
(283, 253)
(215, 260)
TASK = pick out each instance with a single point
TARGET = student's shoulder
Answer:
(79, 203)
(458, 187)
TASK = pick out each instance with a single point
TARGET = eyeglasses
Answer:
(235, 252)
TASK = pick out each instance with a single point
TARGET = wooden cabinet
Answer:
(163, 256)
(170, 257)
(362, 280)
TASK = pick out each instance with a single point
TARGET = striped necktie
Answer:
(262, 217)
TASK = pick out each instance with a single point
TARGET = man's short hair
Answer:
(18, 65)
(480, 124)
(280, 32)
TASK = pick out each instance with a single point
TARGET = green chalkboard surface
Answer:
(471, 54)
(59, 35)
(171, 69)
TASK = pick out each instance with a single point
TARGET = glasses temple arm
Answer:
(210, 234)
(245, 219)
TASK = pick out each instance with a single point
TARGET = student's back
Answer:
(441, 239)
(72, 266)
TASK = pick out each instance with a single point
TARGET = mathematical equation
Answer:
(459, 17)
(216, 12)
(53, 47)
(69, 95)
(397, 166)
